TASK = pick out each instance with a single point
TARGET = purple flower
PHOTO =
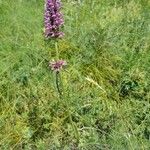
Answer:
(57, 65)
(53, 19)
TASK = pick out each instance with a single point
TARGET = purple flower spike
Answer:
(57, 65)
(53, 19)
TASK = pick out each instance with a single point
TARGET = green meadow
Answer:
(105, 103)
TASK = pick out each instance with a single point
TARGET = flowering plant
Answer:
(53, 19)
(57, 65)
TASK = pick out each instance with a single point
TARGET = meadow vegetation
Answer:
(106, 100)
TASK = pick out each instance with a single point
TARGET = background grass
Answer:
(106, 102)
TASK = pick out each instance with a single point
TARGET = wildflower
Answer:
(53, 19)
(57, 65)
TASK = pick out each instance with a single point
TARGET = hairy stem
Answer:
(56, 48)
(57, 83)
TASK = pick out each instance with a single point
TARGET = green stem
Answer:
(56, 48)
(57, 84)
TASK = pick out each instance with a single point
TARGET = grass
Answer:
(106, 103)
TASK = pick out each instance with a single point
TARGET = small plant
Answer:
(53, 20)
(57, 66)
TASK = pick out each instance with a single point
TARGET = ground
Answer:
(106, 85)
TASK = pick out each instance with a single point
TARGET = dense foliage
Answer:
(106, 103)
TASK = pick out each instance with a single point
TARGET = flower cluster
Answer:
(57, 65)
(53, 19)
